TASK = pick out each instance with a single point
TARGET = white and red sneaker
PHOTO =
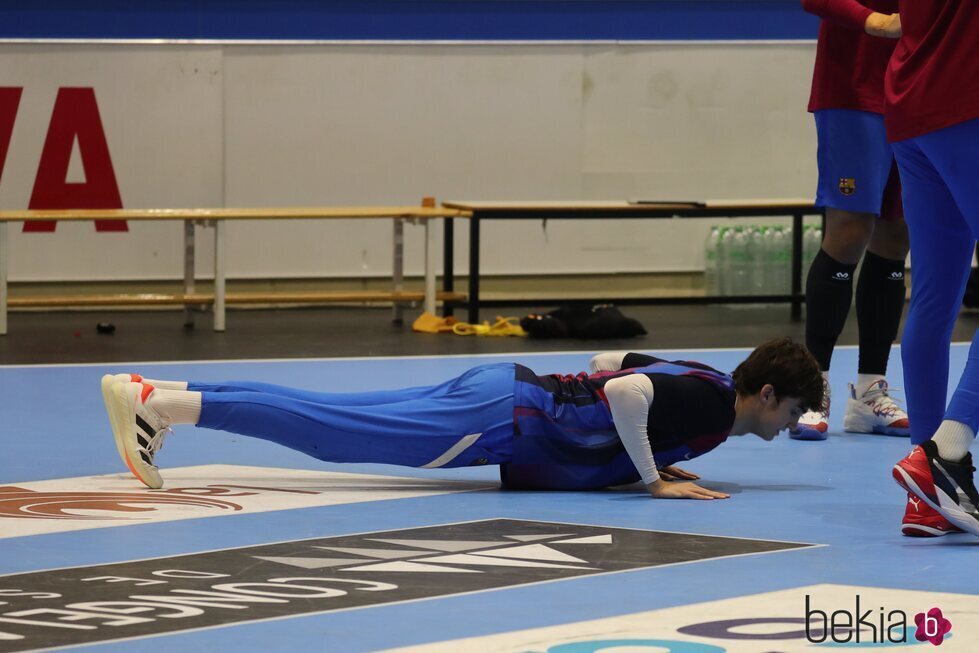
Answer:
(137, 428)
(875, 411)
(121, 378)
(921, 521)
(814, 424)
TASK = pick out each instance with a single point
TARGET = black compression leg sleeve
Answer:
(880, 302)
(829, 293)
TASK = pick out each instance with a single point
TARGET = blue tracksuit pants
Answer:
(465, 421)
(940, 178)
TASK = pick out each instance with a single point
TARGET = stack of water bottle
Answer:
(755, 260)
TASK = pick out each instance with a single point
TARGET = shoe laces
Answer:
(823, 410)
(881, 401)
(156, 442)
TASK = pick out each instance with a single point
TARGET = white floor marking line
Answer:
(534, 552)
(484, 561)
(444, 545)
(392, 554)
(197, 492)
(597, 539)
(309, 563)
(412, 567)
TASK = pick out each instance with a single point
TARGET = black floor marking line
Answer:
(127, 600)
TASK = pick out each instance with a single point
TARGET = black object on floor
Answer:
(584, 321)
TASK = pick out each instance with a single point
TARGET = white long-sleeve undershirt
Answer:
(629, 398)
(608, 362)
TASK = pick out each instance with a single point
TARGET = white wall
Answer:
(161, 111)
(297, 125)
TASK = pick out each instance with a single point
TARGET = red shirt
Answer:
(933, 79)
(850, 63)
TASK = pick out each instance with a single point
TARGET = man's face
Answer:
(777, 415)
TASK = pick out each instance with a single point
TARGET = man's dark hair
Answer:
(788, 367)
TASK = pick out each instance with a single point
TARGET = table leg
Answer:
(448, 261)
(796, 312)
(473, 300)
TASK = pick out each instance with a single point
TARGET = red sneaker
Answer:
(947, 486)
(922, 521)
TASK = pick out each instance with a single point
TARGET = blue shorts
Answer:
(856, 163)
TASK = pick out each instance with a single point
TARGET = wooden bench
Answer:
(217, 218)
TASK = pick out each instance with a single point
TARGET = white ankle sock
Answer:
(176, 406)
(953, 440)
(167, 385)
(864, 381)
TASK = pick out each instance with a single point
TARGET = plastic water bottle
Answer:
(725, 266)
(711, 263)
(781, 261)
(769, 264)
(756, 260)
(739, 262)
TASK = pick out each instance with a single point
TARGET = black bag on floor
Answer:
(584, 321)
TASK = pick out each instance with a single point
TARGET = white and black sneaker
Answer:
(945, 485)
(137, 428)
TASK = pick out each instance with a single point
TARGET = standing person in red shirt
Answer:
(932, 109)
(860, 190)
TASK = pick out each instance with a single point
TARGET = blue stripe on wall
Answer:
(405, 20)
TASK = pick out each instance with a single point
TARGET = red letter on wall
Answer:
(9, 101)
(75, 115)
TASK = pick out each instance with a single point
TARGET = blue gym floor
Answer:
(837, 494)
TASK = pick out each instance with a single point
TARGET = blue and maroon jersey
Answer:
(564, 437)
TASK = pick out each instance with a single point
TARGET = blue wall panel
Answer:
(404, 20)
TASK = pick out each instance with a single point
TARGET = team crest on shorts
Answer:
(848, 186)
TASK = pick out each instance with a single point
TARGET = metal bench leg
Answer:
(188, 272)
(429, 267)
(3, 278)
(398, 269)
(219, 272)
